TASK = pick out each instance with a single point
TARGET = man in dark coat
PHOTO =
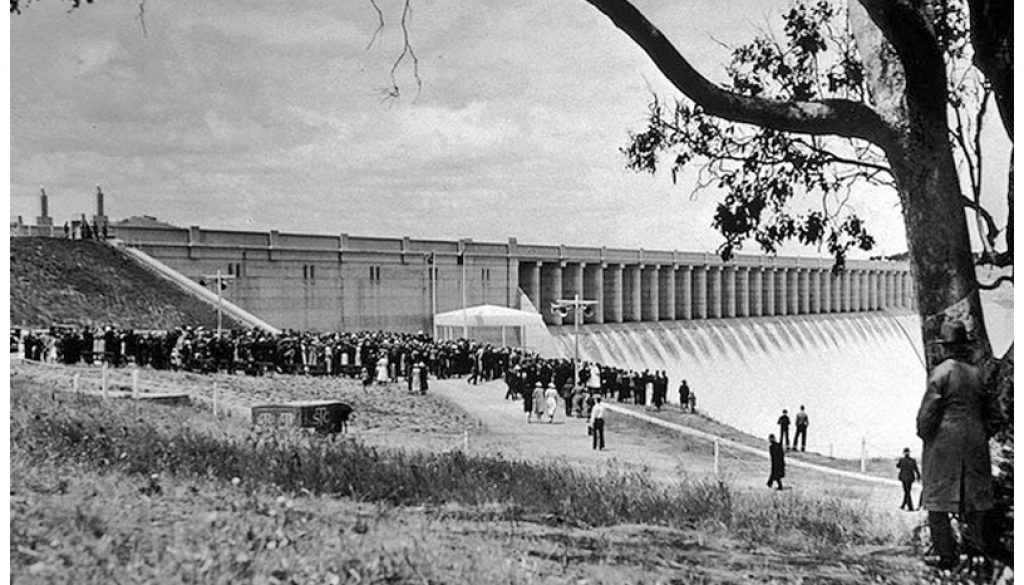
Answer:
(784, 428)
(778, 458)
(908, 475)
(684, 395)
(955, 421)
(801, 429)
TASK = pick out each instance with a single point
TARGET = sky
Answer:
(239, 114)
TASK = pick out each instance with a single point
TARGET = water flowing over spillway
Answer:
(859, 375)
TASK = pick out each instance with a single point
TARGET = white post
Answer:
(465, 318)
(577, 313)
(74, 384)
(135, 383)
(863, 455)
(716, 457)
(214, 400)
(433, 292)
(103, 379)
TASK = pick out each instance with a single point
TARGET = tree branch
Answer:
(912, 37)
(831, 116)
(995, 283)
(992, 39)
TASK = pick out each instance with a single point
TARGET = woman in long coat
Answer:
(778, 457)
(528, 394)
(538, 401)
(954, 422)
(551, 402)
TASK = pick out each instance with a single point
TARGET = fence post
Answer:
(863, 455)
(135, 383)
(716, 457)
(74, 384)
(214, 400)
(103, 379)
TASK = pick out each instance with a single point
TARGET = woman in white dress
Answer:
(382, 369)
(551, 401)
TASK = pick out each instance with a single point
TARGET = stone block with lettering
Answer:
(326, 416)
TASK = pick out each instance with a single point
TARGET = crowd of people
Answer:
(376, 357)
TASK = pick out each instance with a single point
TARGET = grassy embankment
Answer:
(119, 491)
(56, 281)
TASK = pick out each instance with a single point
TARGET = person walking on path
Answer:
(778, 458)
(551, 402)
(801, 429)
(956, 419)
(596, 424)
(908, 475)
(684, 395)
(538, 402)
(784, 429)
(528, 395)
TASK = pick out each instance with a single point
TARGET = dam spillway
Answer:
(859, 374)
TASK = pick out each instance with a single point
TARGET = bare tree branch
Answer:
(995, 283)
(407, 51)
(380, 24)
(142, 17)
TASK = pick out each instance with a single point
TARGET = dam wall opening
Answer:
(860, 375)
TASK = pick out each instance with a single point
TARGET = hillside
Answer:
(88, 283)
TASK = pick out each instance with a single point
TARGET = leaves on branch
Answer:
(762, 170)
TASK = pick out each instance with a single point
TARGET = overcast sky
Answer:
(270, 115)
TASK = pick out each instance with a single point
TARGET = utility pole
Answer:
(580, 308)
(219, 278)
(462, 261)
(431, 259)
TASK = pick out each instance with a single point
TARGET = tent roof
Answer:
(487, 315)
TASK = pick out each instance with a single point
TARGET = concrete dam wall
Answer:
(341, 282)
(859, 374)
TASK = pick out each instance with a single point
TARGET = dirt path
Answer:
(632, 443)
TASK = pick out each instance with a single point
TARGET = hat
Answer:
(906, 450)
(953, 333)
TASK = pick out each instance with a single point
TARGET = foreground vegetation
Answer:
(115, 491)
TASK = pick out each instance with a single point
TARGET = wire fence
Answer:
(134, 383)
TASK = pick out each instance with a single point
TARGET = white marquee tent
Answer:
(498, 326)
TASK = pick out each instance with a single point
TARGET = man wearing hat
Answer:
(955, 421)
(908, 475)
(784, 428)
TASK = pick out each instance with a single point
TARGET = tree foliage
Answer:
(762, 170)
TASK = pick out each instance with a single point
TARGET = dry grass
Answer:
(122, 492)
(57, 281)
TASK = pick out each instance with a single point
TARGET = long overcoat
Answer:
(778, 458)
(953, 422)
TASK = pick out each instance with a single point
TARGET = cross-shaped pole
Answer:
(219, 278)
(579, 307)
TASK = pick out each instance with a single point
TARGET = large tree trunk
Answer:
(936, 227)
(921, 158)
